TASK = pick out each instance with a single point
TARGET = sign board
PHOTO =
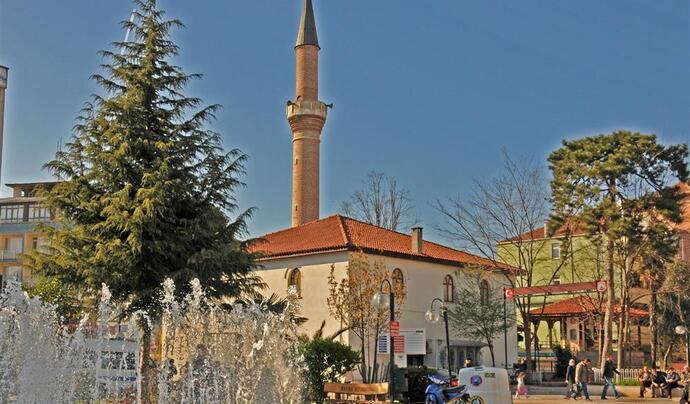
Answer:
(560, 289)
(382, 344)
(116, 365)
(399, 344)
(395, 328)
(414, 340)
(602, 286)
(400, 360)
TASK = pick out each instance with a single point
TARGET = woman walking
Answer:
(521, 390)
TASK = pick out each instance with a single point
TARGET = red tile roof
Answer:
(540, 234)
(579, 305)
(341, 233)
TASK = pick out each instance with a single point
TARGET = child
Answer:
(521, 390)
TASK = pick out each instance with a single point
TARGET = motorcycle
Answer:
(442, 391)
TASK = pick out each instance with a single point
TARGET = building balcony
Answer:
(303, 107)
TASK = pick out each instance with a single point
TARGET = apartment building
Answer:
(19, 215)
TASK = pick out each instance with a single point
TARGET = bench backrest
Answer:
(356, 388)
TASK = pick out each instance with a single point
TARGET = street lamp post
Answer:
(432, 317)
(379, 301)
(681, 329)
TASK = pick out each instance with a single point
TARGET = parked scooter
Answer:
(442, 391)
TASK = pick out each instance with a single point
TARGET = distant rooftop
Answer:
(28, 189)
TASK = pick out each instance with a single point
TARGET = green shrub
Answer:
(563, 356)
(326, 361)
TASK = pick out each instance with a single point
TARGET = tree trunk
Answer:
(526, 319)
(610, 301)
(619, 337)
(623, 316)
(376, 344)
(652, 326)
(667, 353)
(364, 371)
(493, 358)
(146, 368)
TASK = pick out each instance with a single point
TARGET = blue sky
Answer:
(427, 92)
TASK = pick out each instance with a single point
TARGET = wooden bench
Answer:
(356, 392)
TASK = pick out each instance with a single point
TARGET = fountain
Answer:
(209, 353)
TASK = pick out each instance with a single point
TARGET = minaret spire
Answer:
(306, 35)
(306, 115)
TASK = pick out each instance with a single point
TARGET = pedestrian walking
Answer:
(521, 390)
(570, 380)
(608, 373)
(686, 395)
(582, 378)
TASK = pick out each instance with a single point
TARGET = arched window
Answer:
(398, 280)
(448, 289)
(295, 282)
(484, 292)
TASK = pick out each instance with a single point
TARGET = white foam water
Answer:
(209, 353)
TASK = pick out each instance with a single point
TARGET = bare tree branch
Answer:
(381, 202)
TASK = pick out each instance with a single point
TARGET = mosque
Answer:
(300, 259)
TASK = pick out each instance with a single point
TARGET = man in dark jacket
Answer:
(658, 381)
(608, 373)
(570, 380)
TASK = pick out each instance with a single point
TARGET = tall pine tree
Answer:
(147, 191)
(620, 188)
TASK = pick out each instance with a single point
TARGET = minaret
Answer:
(306, 115)
(3, 86)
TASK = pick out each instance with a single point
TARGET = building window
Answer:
(295, 282)
(38, 213)
(448, 289)
(15, 244)
(398, 280)
(11, 213)
(556, 251)
(40, 244)
(484, 292)
(556, 280)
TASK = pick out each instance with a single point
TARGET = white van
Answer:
(486, 385)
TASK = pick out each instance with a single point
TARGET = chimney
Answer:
(546, 228)
(417, 240)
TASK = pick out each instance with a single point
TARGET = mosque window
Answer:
(398, 279)
(484, 292)
(448, 289)
(295, 282)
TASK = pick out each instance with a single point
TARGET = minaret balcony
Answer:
(308, 108)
